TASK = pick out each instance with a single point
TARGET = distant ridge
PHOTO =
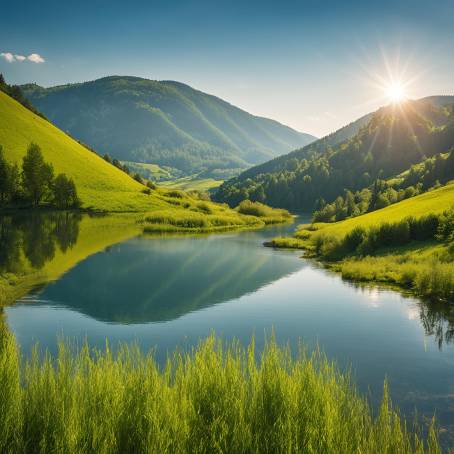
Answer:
(164, 122)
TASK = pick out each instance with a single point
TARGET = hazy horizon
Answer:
(312, 68)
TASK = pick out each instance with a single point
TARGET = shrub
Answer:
(175, 194)
(138, 178)
(151, 185)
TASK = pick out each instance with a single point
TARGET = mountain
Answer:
(164, 122)
(384, 144)
(315, 148)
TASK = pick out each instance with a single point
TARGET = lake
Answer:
(164, 292)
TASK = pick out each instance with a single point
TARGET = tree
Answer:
(138, 178)
(9, 179)
(4, 171)
(37, 175)
(64, 192)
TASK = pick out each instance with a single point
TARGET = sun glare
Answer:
(396, 93)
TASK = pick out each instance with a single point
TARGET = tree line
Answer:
(425, 176)
(35, 183)
(391, 143)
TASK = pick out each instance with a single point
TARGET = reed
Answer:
(217, 398)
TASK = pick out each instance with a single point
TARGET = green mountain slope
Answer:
(317, 147)
(387, 143)
(163, 122)
(101, 186)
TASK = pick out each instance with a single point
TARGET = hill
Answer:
(164, 122)
(100, 185)
(103, 187)
(410, 243)
(387, 143)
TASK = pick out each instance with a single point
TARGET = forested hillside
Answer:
(378, 159)
(165, 123)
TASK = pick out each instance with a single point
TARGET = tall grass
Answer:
(268, 214)
(428, 277)
(217, 398)
(197, 220)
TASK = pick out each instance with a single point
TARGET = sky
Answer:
(312, 65)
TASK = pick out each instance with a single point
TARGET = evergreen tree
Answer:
(37, 175)
(9, 179)
(64, 192)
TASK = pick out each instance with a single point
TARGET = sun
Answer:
(396, 92)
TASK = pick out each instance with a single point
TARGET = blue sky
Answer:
(314, 65)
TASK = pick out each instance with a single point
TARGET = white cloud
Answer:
(36, 58)
(8, 56)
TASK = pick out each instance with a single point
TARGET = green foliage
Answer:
(422, 177)
(414, 248)
(217, 398)
(191, 214)
(202, 218)
(361, 173)
(166, 123)
(37, 175)
(36, 183)
(270, 215)
(64, 192)
(9, 180)
(100, 185)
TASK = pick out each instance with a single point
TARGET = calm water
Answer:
(167, 292)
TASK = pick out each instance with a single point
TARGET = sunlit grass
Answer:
(217, 398)
(426, 269)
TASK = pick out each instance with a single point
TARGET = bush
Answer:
(175, 194)
(138, 178)
(363, 241)
(151, 185)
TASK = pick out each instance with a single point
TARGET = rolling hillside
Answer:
(164, 122)
(100, 185)
(435, 201)
(410, 243)
(385, 144)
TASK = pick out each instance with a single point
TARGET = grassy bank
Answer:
(193, 215)
(409, 244)
(215, 399)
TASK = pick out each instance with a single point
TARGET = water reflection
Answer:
(163, 279)
(32, 239)
(437, 319)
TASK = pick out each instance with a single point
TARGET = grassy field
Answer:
(424, 266)
(192, 183)
(150, 171)
(435, 201)
(217, 398)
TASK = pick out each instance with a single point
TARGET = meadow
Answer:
(400, 244)
(218, 397)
